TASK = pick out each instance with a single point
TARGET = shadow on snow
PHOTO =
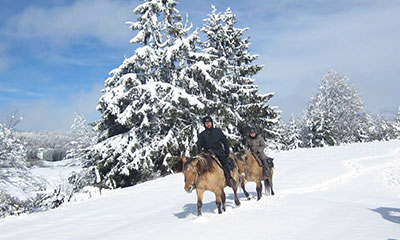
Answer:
(210, 207)
(389, 214)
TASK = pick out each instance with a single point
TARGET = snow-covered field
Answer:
(56, 173)
(347, 192)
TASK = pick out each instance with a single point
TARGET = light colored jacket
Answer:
(256, 145)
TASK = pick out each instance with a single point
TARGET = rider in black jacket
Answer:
(213, 139)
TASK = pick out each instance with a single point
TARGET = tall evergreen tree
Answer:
(230, 65)
(153, 102)
(293, 138)
(144, 105)
(334, 114)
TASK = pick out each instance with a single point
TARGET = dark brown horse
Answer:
(203, 173)
(250, 170)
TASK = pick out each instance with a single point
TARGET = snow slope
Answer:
(347, 192)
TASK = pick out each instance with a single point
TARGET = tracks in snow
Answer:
(387, 172)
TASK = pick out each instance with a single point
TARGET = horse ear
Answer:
(184, 160)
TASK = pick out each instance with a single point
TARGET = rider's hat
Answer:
(207, 119)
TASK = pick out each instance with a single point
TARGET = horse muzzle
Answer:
(190, 188)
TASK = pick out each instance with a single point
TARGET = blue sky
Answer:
(55, 55)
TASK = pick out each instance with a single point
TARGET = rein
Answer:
(196, 179)
(257, 160)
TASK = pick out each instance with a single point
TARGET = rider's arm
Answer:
(224, 141)
(200, 144)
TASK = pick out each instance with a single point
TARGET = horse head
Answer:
(189, 169)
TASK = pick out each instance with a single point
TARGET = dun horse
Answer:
(203, 173)
(251, 170)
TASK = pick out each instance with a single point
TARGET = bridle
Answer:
(196, 179)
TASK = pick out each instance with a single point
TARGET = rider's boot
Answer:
(229, 179)
(264, 167)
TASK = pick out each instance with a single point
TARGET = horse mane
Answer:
(204, 163)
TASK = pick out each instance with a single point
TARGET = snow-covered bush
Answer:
(82, 139)
(17, 185)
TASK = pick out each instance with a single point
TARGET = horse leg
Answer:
(237, 202)
(259, 190)
(244, 190)
(223, 198)
(271, 185)
(267, 187)
(269, 190)
(218, 201)
(199, 200)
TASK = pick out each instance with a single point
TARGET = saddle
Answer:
(231, 162)
(269, 160)
(257, 159)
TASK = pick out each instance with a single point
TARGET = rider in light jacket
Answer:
(255, 143)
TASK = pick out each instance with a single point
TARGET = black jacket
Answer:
(213, 139)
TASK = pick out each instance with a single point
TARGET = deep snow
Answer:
(347, 192)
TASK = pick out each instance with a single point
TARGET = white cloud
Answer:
(297, 41)
(361, 41)
(49, 114)
(102, 20)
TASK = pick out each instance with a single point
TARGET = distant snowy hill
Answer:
(347, 192)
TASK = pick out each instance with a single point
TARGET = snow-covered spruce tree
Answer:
(318, 125)
(237, 105)
(366, 128)
(149, 110)
(292, 134)
(334, 114)
(382, 129)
